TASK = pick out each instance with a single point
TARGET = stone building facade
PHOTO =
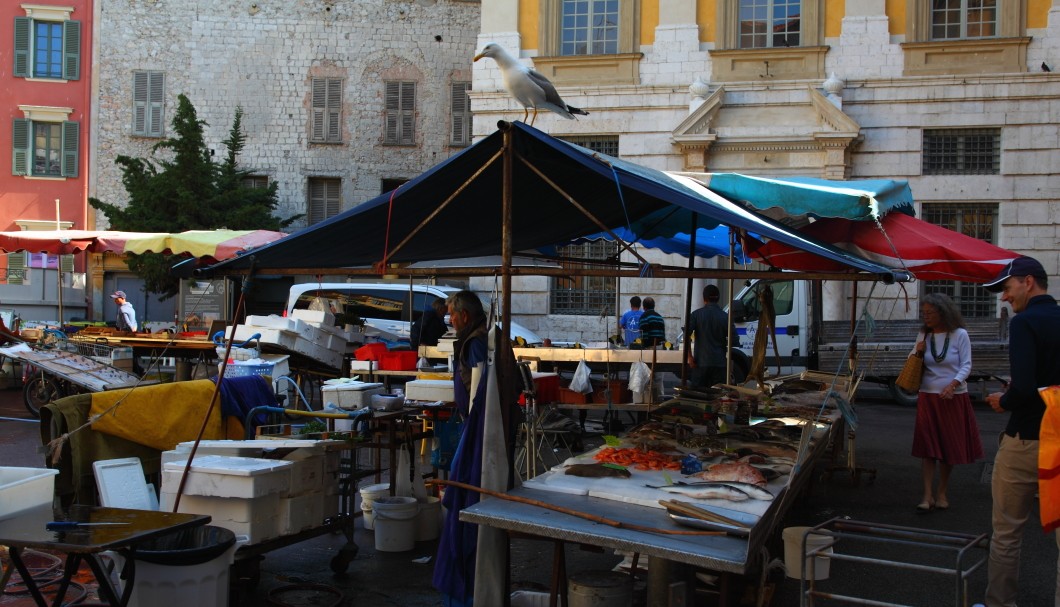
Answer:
(864, 89)
(342, 100)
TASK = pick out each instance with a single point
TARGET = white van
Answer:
(387, 307)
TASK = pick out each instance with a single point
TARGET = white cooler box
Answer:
(430, 390)
(351, 395)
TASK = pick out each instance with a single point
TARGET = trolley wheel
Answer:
(342, 560)
(39, 391)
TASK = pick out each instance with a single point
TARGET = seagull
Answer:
(529, 87)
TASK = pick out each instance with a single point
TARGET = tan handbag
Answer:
(912, 372)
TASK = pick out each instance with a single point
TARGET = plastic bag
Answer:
(580, 383)
(639, 377)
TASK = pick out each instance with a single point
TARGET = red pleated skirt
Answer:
(946, 430)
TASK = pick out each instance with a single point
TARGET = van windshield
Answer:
(347, 306)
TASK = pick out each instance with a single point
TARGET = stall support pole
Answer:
(670, 584)
(688, 303)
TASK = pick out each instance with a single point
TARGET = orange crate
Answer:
(620, 392)
(566, 395)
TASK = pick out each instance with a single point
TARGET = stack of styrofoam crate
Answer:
(310, 491)
(239, 493)
(276, 330)
(319, 337)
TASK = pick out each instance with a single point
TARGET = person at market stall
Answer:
(630, 321)
(455, 568)
(8, 335)
(430, 326)
(652, 325)
(126, 314)
(946, 433)
(1034, 358)
(710, 328)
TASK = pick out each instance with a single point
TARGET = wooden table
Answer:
(27, 530)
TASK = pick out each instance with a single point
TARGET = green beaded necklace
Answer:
(945, 348)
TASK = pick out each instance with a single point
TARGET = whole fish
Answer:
(705, 491)
(752, 491)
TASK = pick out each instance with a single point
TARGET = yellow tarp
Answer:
(163, 415)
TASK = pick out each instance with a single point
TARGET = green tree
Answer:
(180, 188)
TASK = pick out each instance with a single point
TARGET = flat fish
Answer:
(596, 471)
(712, 491)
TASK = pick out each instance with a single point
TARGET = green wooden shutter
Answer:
(392, 100)
(71, 148)
(334, 112)
(139, 103)
(72, 50)
(20, 146)
(66, 263)
(16, 268)
(408, 113)
(23, 28)
(334, 197)
(320, 95)
(156, 97)
(460, 109)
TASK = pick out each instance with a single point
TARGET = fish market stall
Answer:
(680, 473)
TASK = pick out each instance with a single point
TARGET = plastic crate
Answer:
(233, 370)
(25, 488)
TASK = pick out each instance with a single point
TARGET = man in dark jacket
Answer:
(430, 326)
(709, 327)
(1034, 357)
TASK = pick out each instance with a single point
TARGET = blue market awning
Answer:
(455, 210)
(857, 199)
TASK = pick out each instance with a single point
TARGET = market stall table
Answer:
(672, 559)
(27, 531)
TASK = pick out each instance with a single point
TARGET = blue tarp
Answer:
(858, 199)
(455, 210)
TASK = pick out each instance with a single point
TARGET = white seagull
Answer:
(528, 87)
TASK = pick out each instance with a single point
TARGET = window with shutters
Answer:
(47, 44)
(974, 36)
(149, 90)
(44, 148)
(256, 181)
(325, 199)
(978, 220)
(400, 113)
(460, 112)
(15, 273)
(327, 110)
(585, 295)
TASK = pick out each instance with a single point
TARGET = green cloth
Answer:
(76, 482)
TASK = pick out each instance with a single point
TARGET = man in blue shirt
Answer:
(630, 321)
(709, 326)
(1034, 358)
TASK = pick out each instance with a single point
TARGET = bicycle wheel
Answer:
(39, 391)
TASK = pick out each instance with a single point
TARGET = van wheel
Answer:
(902, 397)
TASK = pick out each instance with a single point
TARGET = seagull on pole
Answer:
(529, 87)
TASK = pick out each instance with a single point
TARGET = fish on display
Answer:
(732, 471)
(597, 471)
(705, 491)
(752, 491)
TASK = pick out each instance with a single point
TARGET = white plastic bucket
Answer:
(370, 493)
(169, 581)
(395, 523)
(794, 557)
(599, 589)
(429, 520)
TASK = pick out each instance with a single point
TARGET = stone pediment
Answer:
(768, 132)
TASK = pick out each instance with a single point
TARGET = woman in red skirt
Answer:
(946, 431)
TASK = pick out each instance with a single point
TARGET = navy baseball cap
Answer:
(1021, 266)
(117, 294)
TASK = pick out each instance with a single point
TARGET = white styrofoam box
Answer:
(329, 506)
(277, 337)
(221, 476)
(337, 343)
(307, 471)
(24, 489)
(272, 321)
(332, 330)
(263, 513)
(429, 389)
(361, 365)
(308, 330)
(320, 317)
(332, 461)
(306, 346)
(280, 366)
(446, 345)
(351, 395)
(301, 512)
